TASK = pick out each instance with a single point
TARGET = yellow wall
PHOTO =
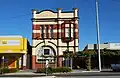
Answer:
(7, 47)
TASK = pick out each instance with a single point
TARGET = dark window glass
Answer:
(51, 31)
(46, 51)
(42, 31)
(69, 32)
(47, 31)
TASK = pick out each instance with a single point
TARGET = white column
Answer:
(3, 65)
(75, 12)
(24, 60)
(20, 62)
(59, 12)
(34, 13)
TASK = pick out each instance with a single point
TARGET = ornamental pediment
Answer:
(46, 14)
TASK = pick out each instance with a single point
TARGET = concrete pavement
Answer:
(73, 73)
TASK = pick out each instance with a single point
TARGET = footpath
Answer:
(73, 73)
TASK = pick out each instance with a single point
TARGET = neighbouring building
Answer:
(53, 33)
(14, 52)
(109, 46)
(106, 60)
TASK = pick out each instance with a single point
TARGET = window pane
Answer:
(66, 25)
(47, 31)
(46, 51)
(71, 32)
(67, 32)
(51, 26)
(42, 31)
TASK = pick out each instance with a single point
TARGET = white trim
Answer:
(76, 22)
(10, 36)
(44, 23)
(36, 31)
(54, 31)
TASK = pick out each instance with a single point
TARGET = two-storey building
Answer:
(53, 33)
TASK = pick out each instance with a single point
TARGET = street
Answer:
(70, 77)
(92, 77)
(74, 74)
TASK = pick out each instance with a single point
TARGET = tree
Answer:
(88, 62)
(68, 56)
(104, 52)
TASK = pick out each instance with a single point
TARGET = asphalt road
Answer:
(68, 75)
(92, 77)
(71, 77)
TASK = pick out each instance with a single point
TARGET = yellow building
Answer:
(13, 52)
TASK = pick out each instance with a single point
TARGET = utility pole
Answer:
(98, 35)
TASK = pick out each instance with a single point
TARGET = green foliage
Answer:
(63, 69)
(7, 70)
(89, 52)
(68, 55)
(50, 70)
(40, 70)
(53, 70)
(13, 70)
(88, 63)
(104, 52)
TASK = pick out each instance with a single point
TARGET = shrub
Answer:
(7, 70)
(43, 70)
(88, 63)
(13, 70)
(64, 69)
(50, 70)
(54, 70)
(40, 70)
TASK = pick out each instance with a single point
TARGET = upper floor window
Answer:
(51, 31)
(42, 31)
(47, 33)
(67, 30)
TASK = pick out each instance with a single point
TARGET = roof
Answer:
(11, 36)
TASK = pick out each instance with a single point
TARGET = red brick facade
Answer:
(59, 33)
(55, 34)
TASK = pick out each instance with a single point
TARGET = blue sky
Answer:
(15, 18)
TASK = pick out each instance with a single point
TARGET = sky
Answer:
(15, 18)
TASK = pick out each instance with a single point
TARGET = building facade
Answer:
(109, 54)
(13, 52)
(53, 33)
(109, 46)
